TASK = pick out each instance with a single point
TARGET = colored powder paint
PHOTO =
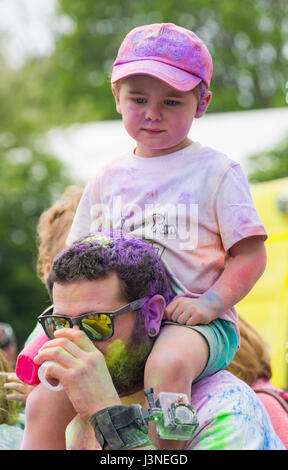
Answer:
(222, 437)
(116, 350)
(219, 433)
(103, 240)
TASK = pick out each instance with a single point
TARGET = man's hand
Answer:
(185, 310)
(81, 369)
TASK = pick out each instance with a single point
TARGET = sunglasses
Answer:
(98, 326)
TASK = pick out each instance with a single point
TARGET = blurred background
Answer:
(58, 124)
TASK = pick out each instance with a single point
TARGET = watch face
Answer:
(184, 415)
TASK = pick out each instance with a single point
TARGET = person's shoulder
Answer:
(118, 162)
(110, 167)
(221, 391)
(224, 393)
(216, 158)
(229, 410)
(222, 380)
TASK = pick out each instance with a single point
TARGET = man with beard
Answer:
(109, 294)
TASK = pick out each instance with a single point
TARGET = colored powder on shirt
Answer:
(220, 438)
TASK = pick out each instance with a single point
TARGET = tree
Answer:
(30, 180)
(269, 165)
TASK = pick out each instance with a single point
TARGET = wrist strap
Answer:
(120, 427)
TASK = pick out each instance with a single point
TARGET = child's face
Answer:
(156, 115)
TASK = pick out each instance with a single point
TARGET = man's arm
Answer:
(83, 373)
(80, 371)
(47, 414)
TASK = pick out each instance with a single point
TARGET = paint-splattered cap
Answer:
(165, 51)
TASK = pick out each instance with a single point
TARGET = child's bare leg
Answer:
(178, 357)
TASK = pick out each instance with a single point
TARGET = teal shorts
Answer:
(222, 342)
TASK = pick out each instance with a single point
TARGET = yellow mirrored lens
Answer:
(98, 326)
(53, 324)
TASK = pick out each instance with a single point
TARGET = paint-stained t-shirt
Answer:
(231, 416)
(192, 206)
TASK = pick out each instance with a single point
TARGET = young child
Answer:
(190, 202)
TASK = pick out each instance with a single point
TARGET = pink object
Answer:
(166, 51)
(26, 369)
(278, 415)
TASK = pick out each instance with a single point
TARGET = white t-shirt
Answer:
(192, 206)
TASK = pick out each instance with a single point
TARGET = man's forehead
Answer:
(87, 295)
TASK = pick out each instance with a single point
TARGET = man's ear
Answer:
(155, 309)
(115, 91)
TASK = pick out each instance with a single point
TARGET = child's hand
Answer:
(185, 310)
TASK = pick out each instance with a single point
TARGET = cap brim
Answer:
(177, 78)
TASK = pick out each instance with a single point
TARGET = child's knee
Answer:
(172, 361)
(167, 369)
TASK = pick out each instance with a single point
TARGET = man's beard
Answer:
(126, 362)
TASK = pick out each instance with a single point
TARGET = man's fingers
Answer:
(77, 336)
(63, 352)
(73, 341)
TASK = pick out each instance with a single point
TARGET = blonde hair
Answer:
(252, 360)
(54, 225)
(9, 410)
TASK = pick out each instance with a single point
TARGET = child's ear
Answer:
(203, 104)
(115, 92)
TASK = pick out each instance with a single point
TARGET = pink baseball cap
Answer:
(166, 51)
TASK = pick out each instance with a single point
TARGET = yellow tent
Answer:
(266, 306)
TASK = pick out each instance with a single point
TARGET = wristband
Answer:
(120, 427)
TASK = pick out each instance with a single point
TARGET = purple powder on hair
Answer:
(141, 272)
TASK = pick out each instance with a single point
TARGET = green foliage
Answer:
(29, 181)
(269, 165)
